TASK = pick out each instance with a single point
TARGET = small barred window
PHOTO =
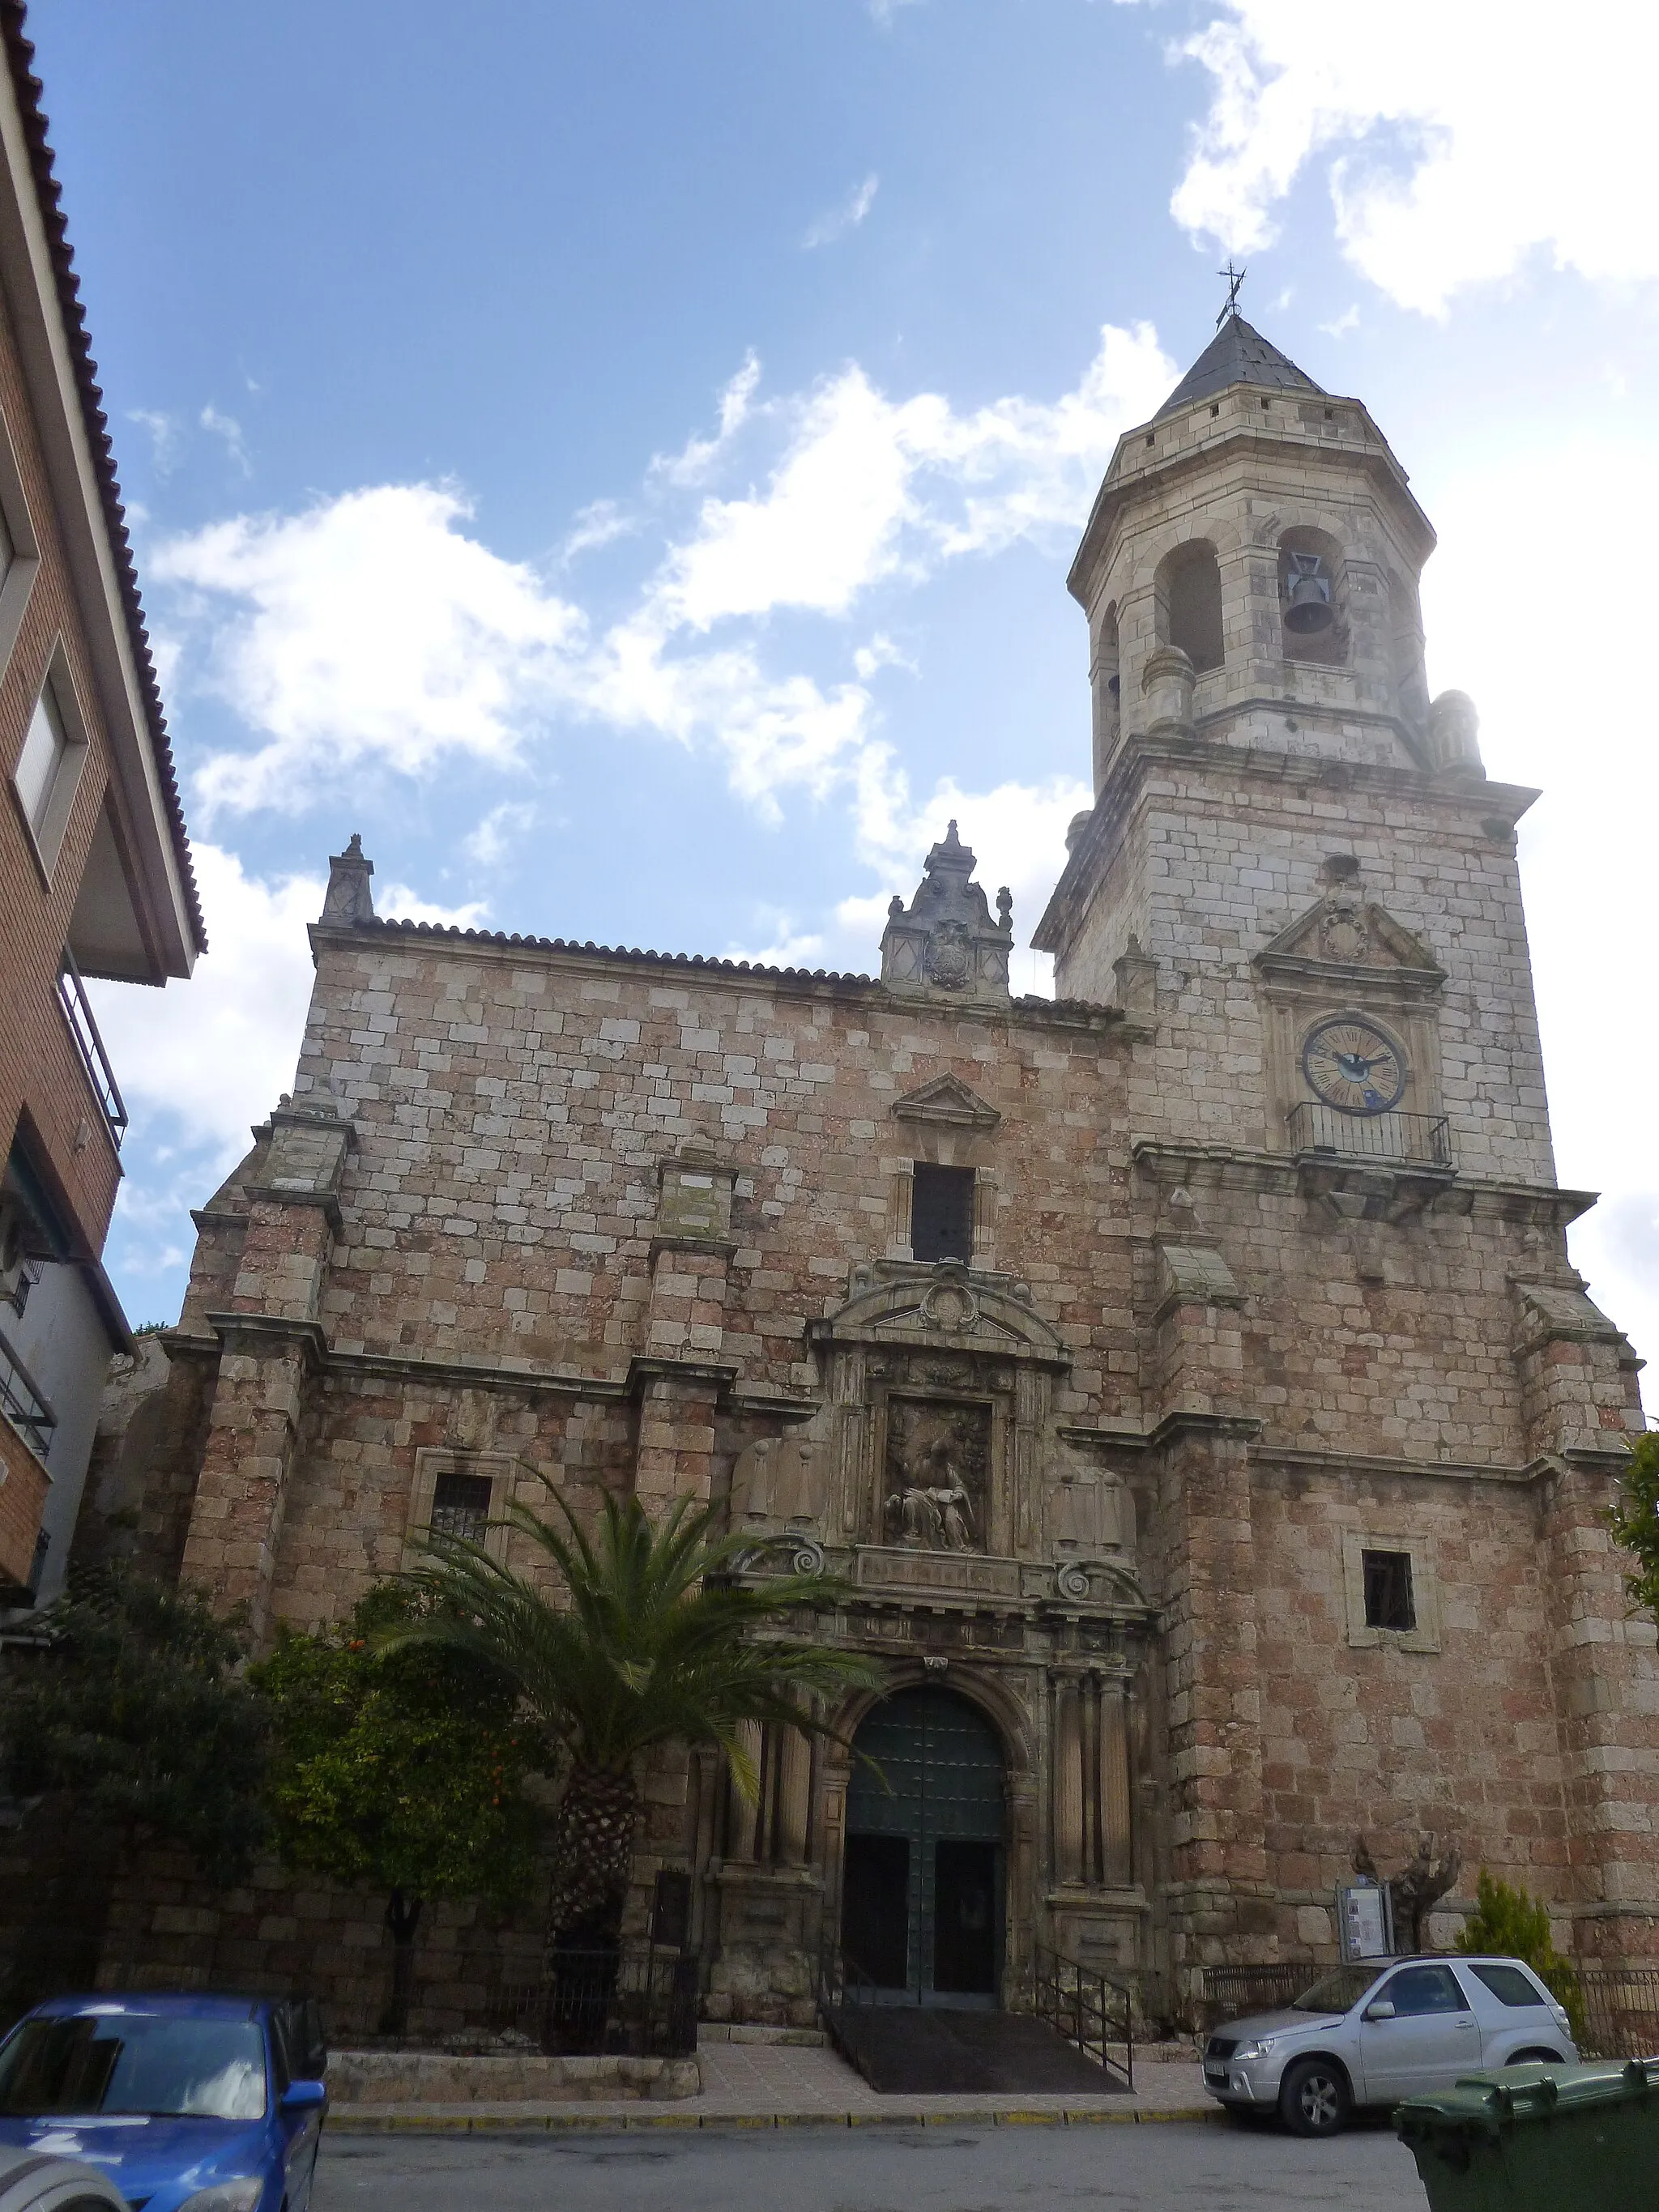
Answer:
(460, 1506)
(942, 1212)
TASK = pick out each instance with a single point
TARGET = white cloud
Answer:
(228, 431)
(164, 442)
(1460, 140)
(373, 630)
(1569, 719)
(493, 838)
(369, 628)
(215, 1054)
(692, 464)
(600, 523)
(403, 902)
(846, 217)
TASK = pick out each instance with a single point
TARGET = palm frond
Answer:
(654, 1640)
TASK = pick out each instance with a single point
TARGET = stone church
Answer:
(1186, 1374)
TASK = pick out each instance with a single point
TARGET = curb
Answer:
(995, 2116)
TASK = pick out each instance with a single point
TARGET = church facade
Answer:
(1186, 1374)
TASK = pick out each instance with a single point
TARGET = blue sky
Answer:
(624, 458)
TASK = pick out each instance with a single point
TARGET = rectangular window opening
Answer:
(942, 1212)
(1388, 1601)
(460, 1507)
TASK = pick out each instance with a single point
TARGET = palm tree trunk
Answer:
(593, 1858)
(402, 1918)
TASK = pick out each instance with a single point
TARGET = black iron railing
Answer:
(848, 2000)
(1086, 2008)
(77, 1012)
(1420, 1139)
(1235, 1992)
(23, 1404)
(596, 2003)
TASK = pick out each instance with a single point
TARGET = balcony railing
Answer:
(1420, 1139)
(23, 1404)
(77, 1012)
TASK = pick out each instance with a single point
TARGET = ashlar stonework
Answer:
(1258, 1278)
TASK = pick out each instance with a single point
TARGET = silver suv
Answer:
(1374, 2032)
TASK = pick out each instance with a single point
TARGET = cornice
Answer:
(1170, 1161)
(1139, 756)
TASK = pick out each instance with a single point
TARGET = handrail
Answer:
(83, 1028)
(1423, 1139)
(23, 1402)
(1075, 2001)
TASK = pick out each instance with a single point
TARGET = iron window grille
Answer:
(460, 1507)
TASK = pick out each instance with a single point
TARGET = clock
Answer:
(1351, 1065)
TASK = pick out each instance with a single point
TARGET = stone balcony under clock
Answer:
(1317, 1131)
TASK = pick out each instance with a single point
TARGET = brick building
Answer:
(94, 869)
(1187, 1373)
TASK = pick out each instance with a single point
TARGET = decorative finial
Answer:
(895, 906)
(1005, 907)
(1234, 277)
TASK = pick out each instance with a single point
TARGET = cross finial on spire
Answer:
(1234, 277)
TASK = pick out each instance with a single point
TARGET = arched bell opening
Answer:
(925, 1873)
(1188, 604)
(1106, 687)
(1312, 598)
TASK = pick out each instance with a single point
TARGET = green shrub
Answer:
(1514, 1925)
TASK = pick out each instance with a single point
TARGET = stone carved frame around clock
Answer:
(1346, 956)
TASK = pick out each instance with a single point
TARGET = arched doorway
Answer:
(923, 1878)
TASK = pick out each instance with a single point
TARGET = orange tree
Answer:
(401, 1768)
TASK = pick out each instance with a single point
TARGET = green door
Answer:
(923, 1879)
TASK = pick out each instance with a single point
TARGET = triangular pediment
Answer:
(1346, 934)
(946, 1100)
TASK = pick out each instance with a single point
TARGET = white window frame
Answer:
(47, 827)
(1426, 1591)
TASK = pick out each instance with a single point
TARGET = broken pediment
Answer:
(947, 1101)
(946, 1306)
(1345, 932)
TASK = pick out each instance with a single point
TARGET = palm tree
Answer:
(652, 1640)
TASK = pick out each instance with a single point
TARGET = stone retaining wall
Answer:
(370, 2078)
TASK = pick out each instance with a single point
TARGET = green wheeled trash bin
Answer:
(1539, 2139)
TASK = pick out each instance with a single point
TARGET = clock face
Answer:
(1352, 1065)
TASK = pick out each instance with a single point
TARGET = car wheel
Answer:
(1315, 2099)
(1535, 2058)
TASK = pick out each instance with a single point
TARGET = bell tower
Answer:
(1268, 765)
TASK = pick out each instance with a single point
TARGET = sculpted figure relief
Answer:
(1090, 1513)
(933, 1511)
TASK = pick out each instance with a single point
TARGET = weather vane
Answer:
(1234, 277)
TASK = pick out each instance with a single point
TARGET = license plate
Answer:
(1219, 2077)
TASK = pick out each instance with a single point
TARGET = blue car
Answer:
(189, 2104)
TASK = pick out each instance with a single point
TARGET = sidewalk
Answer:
(763, 2084)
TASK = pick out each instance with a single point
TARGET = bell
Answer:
(1308, 598)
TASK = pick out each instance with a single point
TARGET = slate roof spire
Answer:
(1235, 354)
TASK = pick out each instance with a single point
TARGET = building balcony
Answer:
(77, 1012)
(1321, 1132)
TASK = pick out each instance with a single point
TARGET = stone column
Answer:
(271, 1344)
(1578, 1382)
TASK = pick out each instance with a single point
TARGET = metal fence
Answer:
(1419, 1138)
(1087, 2009)
(1620, 2004)
(594, 2003)
(1621, 2011)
